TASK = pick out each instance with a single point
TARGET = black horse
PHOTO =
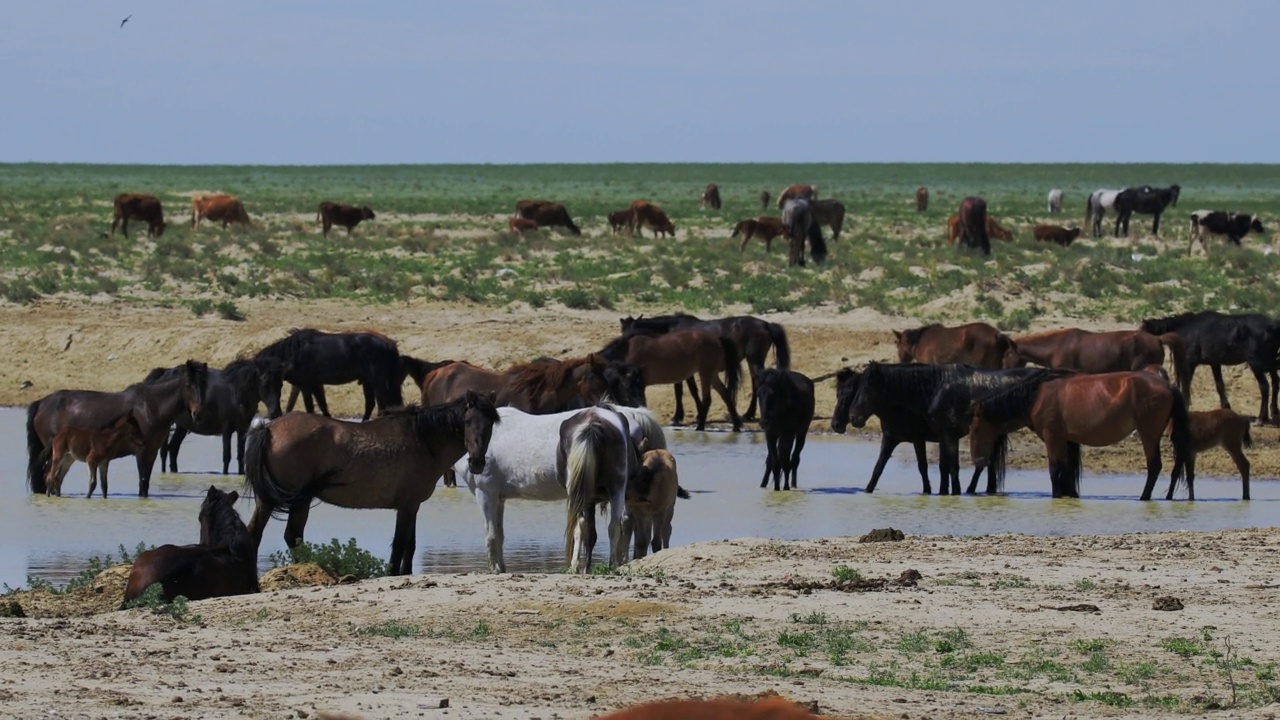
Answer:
(1216, 339)
(753, 336)
(786, 410)
(1146, 200)
(312, 359)
(899, 423)
(801, 223)
(409, 368)
(231, 400)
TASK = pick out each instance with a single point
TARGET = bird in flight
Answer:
(122, 22)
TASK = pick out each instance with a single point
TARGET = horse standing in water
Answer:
(225, 562)
(392, 462)
(651, 501)
(312, 359)
(786, 411)
(594, 460)
(675, 357)
(96, 448)
(976, 344)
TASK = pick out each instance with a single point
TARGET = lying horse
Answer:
(95, 448)
(977, 344)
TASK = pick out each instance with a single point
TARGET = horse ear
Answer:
(643, 445)
(493, 396)
(897, 335)
(471, 398)
(212, 491)
(233, 496)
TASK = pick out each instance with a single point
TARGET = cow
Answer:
(1232, 226)
(711, 197)
(764, 227)
(132, 206)
(620, 220)
(795, 192)
(546, 214)
(518, 225)
(645, 213)
(1055, 234)
(348, 216)
(764, 199)
(829, 213)
(225, 209)
(973, 224)
(994, 229)
(1055, 201)
(922, 199)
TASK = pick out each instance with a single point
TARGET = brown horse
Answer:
(764, 199)
(95, 448)
(1093, 352)
(651, 501)
(225, 562)
(764, 227)
(711, 197)
(775, 708)
(977, 344)
(922, 199)
(794, 192)
(538, 387)
(154, 407)
(1094, 410)
(674, 357)
(1225, 428)
(391, 462)
(994, 229)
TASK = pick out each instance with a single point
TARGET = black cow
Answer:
(331, 213)
(1234, 226)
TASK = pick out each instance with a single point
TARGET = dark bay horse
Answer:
(753, 337)
(231, 399)
(225, 562)
(392, 462)
(1216, 339)
(973, 224)
(902, 419)
(1094, 352)
(1094, 410)
(674, 357)
(312, 359)
(154, 407)
(786, 411)
(1146, 200)
(977, 344)
(594, 461)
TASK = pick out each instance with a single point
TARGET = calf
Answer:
(1232, 226)
(922, 199)
(646, 214)
(132, 206)
(348, 216)
(96, 448)
(711, 197)
(651, 501)
(763, 227)
(1055, 234)
(620, 220)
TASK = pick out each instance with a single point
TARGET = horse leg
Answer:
(240, 441)
(617, 545)
(93, 479)
(297, 523)
(258, 523)
(492, 506)
(887, 444)
(367, 387)
(755, 368)
(170, 449)
(770, 459)
(714, 380)
(146, 463)
(1275, 396)
(944, 466)
(1264, 389)
(402, 543)
(678, 418)
(785, 445)
(1155, 225)
(795, 459)
(226, 450)
(1242, 464)
(321, 402)
(1222, 390)
(293, 400)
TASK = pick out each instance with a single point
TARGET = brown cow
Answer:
(922, 199)
(547, 214)
(793, 192)
(218, 208)
(994, 229)
(973, 224)
(620, 220)
(645, 213)
(711, 197)
(764, 227)
(1055, 234)
(764, 199)
(517, 224)
(131, 206)
(348, 216)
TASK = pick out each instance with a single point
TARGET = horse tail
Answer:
(1181, 436)
(1088, 209)
(37, 456)
(684, 494)
(817, 244)
(585, 448)
(1178, 350)
(1070, 482)
(258, 479)
(997, 463)
(732, 369)
(781, 348)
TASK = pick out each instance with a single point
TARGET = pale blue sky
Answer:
(320, 82)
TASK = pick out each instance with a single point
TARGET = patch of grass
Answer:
(340, 560)
(1011, 581)
(153, 599)
(1185, 647)
(1106, 697)
(813, 618)
(914, 642)
(950, 641)
(391, 629)
(1085, 584)
(801, 643)
(227, 310)
(201, 307)
(844, 574)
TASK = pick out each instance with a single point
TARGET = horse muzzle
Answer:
(475, 465)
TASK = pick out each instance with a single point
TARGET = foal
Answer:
(96, 448)
(1212, 428)
(651, 501)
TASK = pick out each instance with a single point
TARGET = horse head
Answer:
(214, 508)
(983, 435)
(847, 382)
(195, 380)
(270, 385)
(478, 419)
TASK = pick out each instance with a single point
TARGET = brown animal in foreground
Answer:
(764, 199)
(977, 344)
(922, 198)
(547, 214)
(95, 448)
(764, 227)
(994, 229)
(517, 224)
(711, 197)
(793, 192)
(1055, 234)
(132, 206)
(348, 216)
(620, 220)
(651, 501)
(645, 213)
(775, 708)
(225, 209)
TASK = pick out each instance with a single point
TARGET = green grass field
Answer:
(441, 234)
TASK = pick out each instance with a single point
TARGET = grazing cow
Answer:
(764, 199)
(797, 192)
(764, 227)
(620, 220)
(1055, 234)
(829, 213)
(225, 209)
(1232, 226)
(645, 213)
(994, 229)
(517, 224)
(922, 199)
(348, 216)
(131, 206)
(973, 224)
(1055, 201)
(547, 214)
(711, 197)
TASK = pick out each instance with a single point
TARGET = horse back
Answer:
(448, 383)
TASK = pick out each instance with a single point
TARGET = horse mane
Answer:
(913, 335)
(911, 385)
(616, 349)
(1014, 403)
(540, 375)
(428, 420)
(1172, 323)
(158, 374)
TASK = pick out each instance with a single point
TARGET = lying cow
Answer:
(147, 208)
(547, 214)
(621, 220)
(711, 197)
(348, 216)
(1055, 234)
(764, 227)
(646, 214)
(1232, 226)
(225, 209)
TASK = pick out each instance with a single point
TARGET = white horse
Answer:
(594, 461)
(521, 464)
(1055, 201)
(1100, 201)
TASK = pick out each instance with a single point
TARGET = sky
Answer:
(589, 81)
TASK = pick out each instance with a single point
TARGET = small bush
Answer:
(391, 629)
(153, 599)
(340, 560)
(227, 310)
(202, 306)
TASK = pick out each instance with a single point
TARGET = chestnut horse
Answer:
(1094, 410)
(1094, 352)
(537, 387)
(775, 708)
(96, 448)
(994, 229)
(674, 357)
(977, 344)
(1221, 427)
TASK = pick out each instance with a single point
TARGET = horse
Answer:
(898, 422)
(521, 464)
(1095, 410)
(801, 224)
(776, 708)
(711, 197)
(1055, 201)
(796, 192)
(231, 400)
(154, 407)
(392, 462)
(538, 387)
(1225, 428)
(1216, 339)
(974, 231)
(676, 356)
(96, 448)
(1096, 207)
(312, 359)
(764, 199)
(651, 501)
(922, 199)
(594, 461)
(765, 228)
(829, 213)
(1146, 200)
(976, 344)
(1094, 352)
(786, 411)
(224, 563)
(408, 367)
(753, 337)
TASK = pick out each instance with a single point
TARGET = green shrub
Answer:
(341, 560)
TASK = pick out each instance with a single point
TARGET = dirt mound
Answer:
(883, 535)
(296, 576)
(102, 594)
